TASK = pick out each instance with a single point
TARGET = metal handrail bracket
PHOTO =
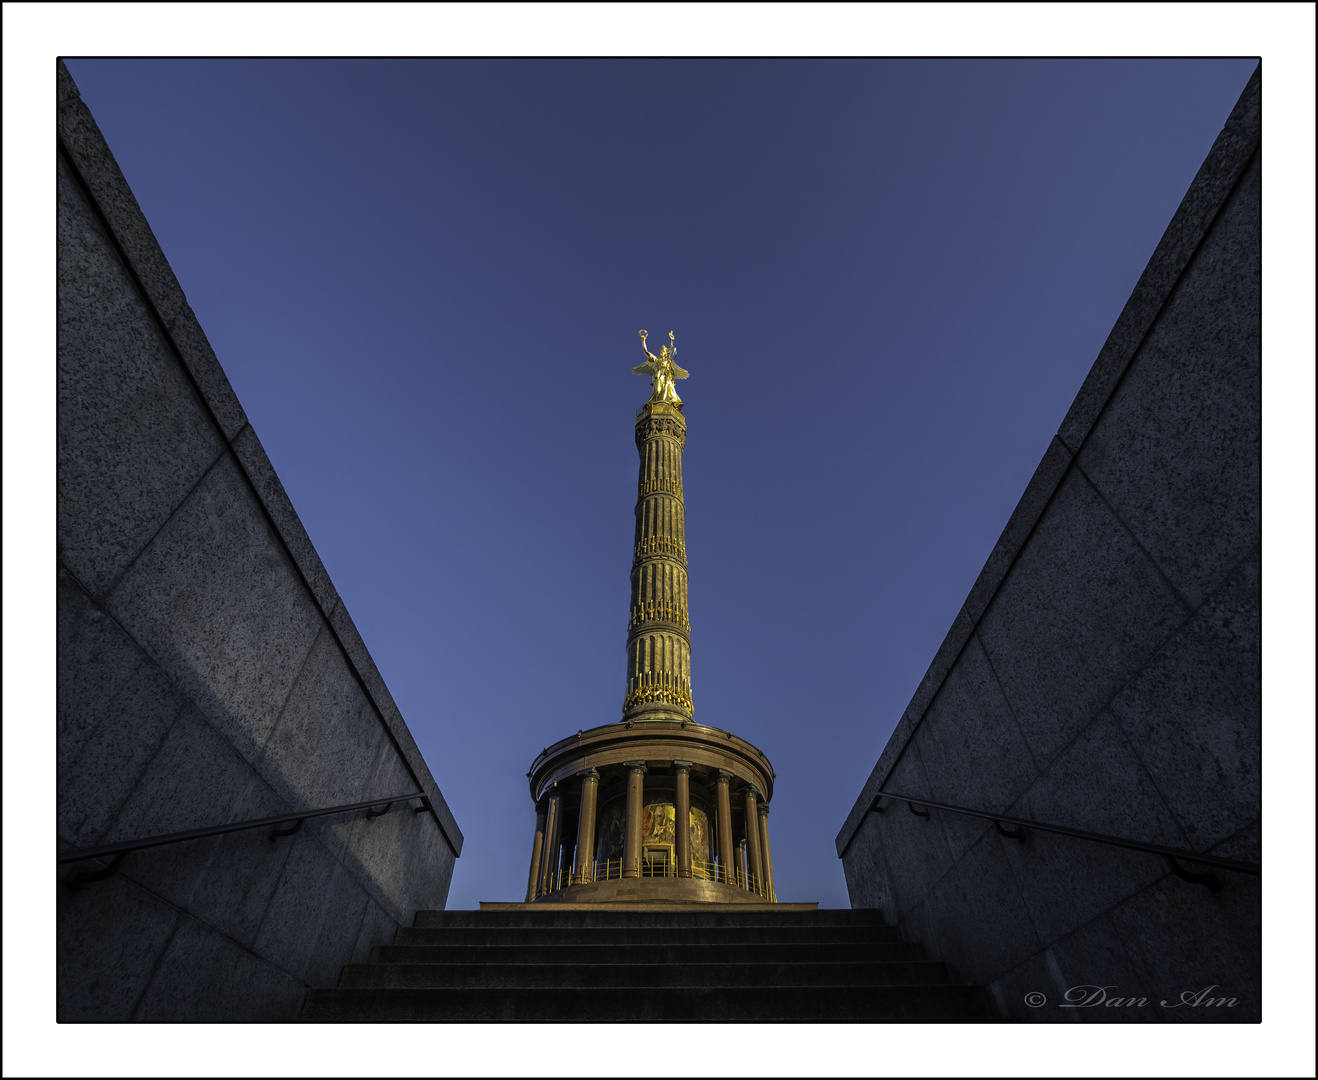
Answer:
(1172, 855)
(119, 850)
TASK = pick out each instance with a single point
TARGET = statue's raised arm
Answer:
(662, 371)
(653, 359)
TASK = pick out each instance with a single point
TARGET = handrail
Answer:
(122, 848)
(1170, 854)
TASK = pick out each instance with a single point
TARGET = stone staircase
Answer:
(640, 966)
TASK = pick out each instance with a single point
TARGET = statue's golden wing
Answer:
(680, 373)
(648, 368)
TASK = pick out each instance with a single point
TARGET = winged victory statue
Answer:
(662, 370)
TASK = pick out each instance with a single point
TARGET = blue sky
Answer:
(425, 279)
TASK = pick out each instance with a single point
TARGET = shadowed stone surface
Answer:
(1104, 672)
(215, 601)
(1193, 715)
(133, 437)
(1176, 452)
(109, 941)
(208, 672)
(239, 987)
(1079, 614)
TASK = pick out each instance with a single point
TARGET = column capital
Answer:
(636, 767)
(763, 809)
(588, 775)
(751, 789)
(724, 777)
(683, 767)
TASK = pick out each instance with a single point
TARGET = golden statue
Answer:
(663, 370)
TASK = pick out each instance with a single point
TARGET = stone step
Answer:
(641, 1004)
(626, 936)
(656, 919)
(649, 952)
(655, 975)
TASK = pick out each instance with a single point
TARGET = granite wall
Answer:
(1104, 672)
(208, 671)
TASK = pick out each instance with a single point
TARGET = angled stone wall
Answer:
(1104, 672)
(208, 671)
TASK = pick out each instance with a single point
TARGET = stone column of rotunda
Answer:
(553, 831)
(537, 852)
(766, 855)
(590, 782)
(756, 880)
(658, 639)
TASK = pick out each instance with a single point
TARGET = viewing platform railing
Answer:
(611, 870)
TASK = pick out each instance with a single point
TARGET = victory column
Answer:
(654, 808)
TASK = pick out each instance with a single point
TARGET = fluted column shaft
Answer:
(537, 852)
(765, 855)
(682, 811)
(590, 782)
(725, 850)
(753, 841)
(631, 851)
(658, 641)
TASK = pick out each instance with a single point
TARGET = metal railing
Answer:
(1000, 821)
(611, 870)
(123, 848)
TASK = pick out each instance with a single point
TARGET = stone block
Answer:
(955, 640)
(109, 937)
(390, 855)
(357, 652)
(1177, 450)
(1080, 613)
(201, 363)
(975, 918)
(1030, 991)
(65, 87)
(134, 437)
(197, 780)
(1035, 499)
(1213, 183)
(1097, 785)
(869, 881)
(216, 603)
(377, 929)
(1193, 715)
(251, 455)
(310, 926)
(888, 755)
(1094, 979)
(340, 931)
(973, 751)
(916, 847)
(1183, 939)
(328, 741)
(81, 140)
(205, 977)
(428, 887)
(113, 708)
